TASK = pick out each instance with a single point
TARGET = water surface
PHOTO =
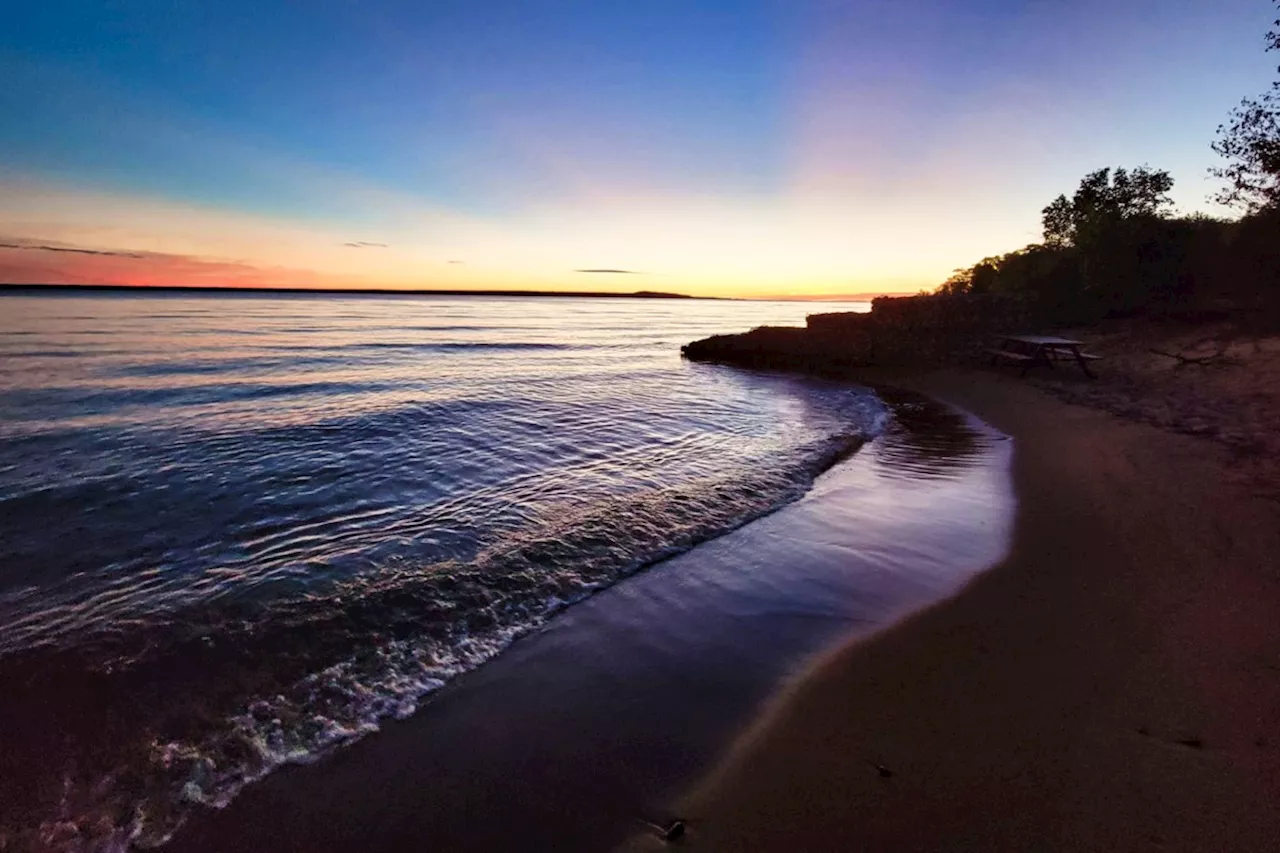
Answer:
(236, 531)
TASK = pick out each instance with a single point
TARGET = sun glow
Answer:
(700, 246)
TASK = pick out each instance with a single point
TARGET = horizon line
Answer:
(347, 291)
(392, 291)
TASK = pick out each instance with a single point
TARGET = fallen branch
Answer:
(1218, 358)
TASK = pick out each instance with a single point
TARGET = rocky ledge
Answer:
(898, 331)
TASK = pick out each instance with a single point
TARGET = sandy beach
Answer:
(1114, 684)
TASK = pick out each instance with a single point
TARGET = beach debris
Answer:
(672, 832)
(1218, 358)
(885, 772)
(1189, 742)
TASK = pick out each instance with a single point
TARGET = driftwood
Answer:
(670, 833)
(1216, 359)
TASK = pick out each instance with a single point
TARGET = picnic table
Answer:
(1028, 351)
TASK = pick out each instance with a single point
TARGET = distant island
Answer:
(346, 291)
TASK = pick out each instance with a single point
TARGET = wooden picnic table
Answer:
(1031, 350)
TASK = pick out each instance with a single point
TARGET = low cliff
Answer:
(910, 330)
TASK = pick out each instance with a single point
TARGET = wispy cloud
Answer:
(42, 247)
(361, 244)
(48, 262)
(611, 272)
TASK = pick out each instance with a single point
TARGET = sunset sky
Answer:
(776, 147)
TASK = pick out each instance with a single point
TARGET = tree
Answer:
(1104, 199)
(959, 282)
(984, 276)
(1250, 142)
(1059, 226)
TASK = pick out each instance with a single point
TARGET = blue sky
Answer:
(719, 147)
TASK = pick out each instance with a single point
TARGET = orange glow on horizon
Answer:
(693, 246)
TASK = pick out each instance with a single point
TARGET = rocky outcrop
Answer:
(783, 348)
(898, 331)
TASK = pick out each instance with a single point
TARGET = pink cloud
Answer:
(24, 261)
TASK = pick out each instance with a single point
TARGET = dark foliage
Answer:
(1250, 143)
(1112, 249)
(1103, 201)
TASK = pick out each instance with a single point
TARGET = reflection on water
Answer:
(927, 439)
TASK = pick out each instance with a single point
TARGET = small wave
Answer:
(100, 399)
(227, 366)
(460, 346)
(446, 327)
(49, 353)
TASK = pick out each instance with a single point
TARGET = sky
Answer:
(758, 148)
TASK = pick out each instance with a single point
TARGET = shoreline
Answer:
(1114, 683)
(576, 733)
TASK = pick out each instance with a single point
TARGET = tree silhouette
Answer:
(1250, 142)
(1104, 199)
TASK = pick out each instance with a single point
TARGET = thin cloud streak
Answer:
(73, 250)
(42, 263)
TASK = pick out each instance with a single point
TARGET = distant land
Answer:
(348, 291)
(391, 291)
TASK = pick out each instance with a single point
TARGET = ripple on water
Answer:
(214, 565)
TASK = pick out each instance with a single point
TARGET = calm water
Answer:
(237, 531)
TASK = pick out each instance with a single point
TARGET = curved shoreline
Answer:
(1113, 684)
(622, 699)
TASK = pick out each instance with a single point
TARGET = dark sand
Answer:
(569, 738)
(1114, 684)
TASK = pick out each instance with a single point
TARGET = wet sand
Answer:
(1114, 684)
(576, 734)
